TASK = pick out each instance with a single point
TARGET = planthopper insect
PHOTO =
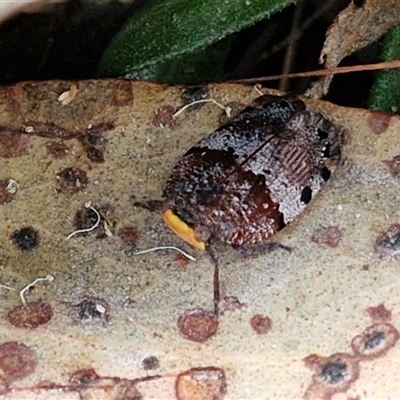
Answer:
(252, 176)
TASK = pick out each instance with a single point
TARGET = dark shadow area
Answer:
(66, 41)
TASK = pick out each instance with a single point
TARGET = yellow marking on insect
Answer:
(182, 229)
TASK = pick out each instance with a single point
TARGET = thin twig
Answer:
(324, 72)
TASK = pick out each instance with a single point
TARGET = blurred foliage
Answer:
(385, 92)
(167, 40)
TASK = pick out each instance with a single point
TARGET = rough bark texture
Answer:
(114, 145)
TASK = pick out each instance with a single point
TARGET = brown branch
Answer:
(323, 72)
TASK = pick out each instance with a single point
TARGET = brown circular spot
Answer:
(72, 180)
(94, 154)
(7, 192)
(387, 245)
(164, 117)
(181, 260)
(30, 315)
(327, 235)
(57, 149)
(261, 324)
(332, 375)
(379, 313)
(12, 145)
(375, 341)
(17, 361)
(197, 325)
(379, 121)
(207, 383)
(129, 235)
(393, 166)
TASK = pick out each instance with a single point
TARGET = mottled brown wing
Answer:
(249, 178)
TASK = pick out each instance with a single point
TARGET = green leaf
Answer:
(205, 65)
(385, 93)
(167, 30)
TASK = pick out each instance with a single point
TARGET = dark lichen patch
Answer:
(7, 191)
(164, 117)
(327, 235)
(375, 341)
(261, 324)
(94, 143)
(17, 361)
(86, 219)
(12, 145)
(27, 239)
(30, 315)
(72, 180)
(393, 166)
(94, 146)
(91, 309)
(207, 383)
(191, 94)
(150, 363)
(197, 325)
(387, 244)
(57, 149)
(332, 374)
